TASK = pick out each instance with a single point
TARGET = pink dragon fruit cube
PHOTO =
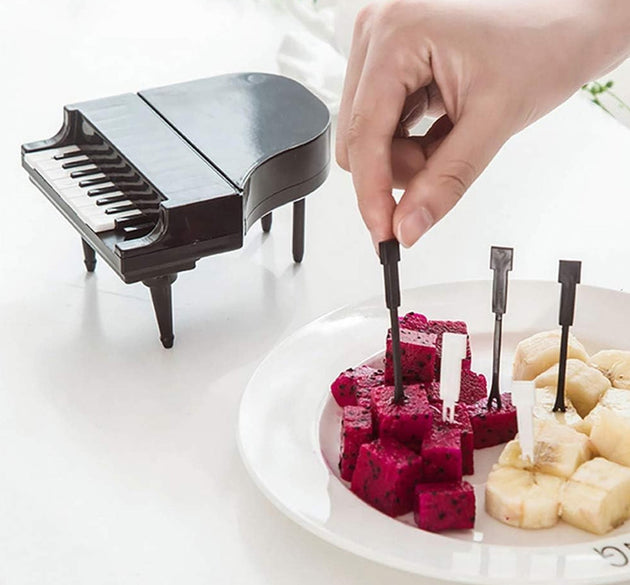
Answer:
(417, 357)
(444, 506)
(385, 475)
(351, 388)
(442, 453)
(439, 328)
(462, 420)
(463, 424)
(356, 429)
(492, 426)
(413, 321)
(433, 391)
(408, 422)
(473, 387)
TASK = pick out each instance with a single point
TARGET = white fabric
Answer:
(315, 53)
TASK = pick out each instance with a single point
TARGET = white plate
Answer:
(289, 436)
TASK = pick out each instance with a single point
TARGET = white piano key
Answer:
(53, 175)
(69, 182)
(99, 223)
(90, 202)
(75, 191)
(49, 153)
(52, 164)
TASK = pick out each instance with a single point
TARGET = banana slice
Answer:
(614, 399)
(558, 450)
(522, 498)
(543, 409)
(615, 365)
(610, 434)
(584, 385)
(539, 352)
(597, 497)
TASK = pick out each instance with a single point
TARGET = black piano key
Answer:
(137, 231)
(125, 222)
(102, 191)
(84, 173)
(76, 163)
(91, 182)
(105, 162)
(70, 154)
(112, 199)
(141, 205)
(120, 209)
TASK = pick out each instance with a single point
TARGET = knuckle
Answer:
(364, 19)
(356, 128)
(392, 14)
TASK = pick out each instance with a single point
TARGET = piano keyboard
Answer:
(79, 182)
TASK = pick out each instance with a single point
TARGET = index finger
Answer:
(376, 112)
(375, 116)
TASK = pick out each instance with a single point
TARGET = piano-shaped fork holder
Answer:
(155, 181)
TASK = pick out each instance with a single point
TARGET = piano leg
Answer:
(299, 211)
(160, 287)
(266, 222)
(89, 256)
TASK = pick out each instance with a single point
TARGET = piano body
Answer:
(155, 181)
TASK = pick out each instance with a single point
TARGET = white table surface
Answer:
(118, 459)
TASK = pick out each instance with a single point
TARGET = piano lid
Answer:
(154, 148)
(237, 122)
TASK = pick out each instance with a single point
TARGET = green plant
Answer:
(597, 90)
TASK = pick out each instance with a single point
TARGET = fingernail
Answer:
(414, 225)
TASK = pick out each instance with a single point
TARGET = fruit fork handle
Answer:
(389, 252)
(501, 264)
(569, 274)
(495, 392)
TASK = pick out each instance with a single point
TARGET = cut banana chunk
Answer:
(539, 352)
(522, 498)
(610, 436)
(558, 450)
(597, 497)
(584, 385)
(614, 399)
(543, 409)
(615, 365)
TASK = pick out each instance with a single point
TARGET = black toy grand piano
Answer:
(155, 181)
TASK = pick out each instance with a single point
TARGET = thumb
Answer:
(450, 170)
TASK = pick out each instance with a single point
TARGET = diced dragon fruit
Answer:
(408, 422)
(463, 423)
(492, 426)
(414, 321)
(351, 388)
(442, 453)
(433, 391)
(363, 396)
(444, 506)
(417, 357)
(439, 328)
(473, 387)
(385, 476)
(462, 418)
(356, 429)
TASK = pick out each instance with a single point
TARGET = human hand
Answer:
(485, 70)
